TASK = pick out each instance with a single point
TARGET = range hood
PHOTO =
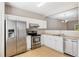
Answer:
(32, 25)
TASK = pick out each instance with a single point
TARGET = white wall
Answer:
(71, 24)
(25, 13)
(53, 24)
(2, 29)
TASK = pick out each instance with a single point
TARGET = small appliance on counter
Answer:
(77, 27)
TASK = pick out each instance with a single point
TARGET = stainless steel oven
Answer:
(35, 37)
(35, 41)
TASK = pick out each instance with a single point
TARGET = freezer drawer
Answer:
(11, 47)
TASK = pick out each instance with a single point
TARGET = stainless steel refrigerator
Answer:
(15, 41)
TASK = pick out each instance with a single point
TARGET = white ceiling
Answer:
(69, 15)
(50, 8)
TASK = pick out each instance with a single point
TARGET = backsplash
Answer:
(61, 32)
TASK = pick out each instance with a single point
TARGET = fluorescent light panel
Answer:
(41, 4)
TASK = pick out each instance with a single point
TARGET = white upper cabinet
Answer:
(21, 18)
(1, 8)
(42, 23)
(11, 17)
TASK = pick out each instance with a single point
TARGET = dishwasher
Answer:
(71, 47)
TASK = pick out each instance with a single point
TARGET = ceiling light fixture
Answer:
(64, 21)
(41, 4)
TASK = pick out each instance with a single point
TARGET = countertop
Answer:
(71, 37)
(62, 35)
(52, 34)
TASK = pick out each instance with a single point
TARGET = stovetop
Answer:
(33, 33)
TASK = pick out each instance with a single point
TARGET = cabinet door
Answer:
(78, 48)
(52, 42)
(28, 44)
(49, 41)
(0, 26)
(0, 35)
(11, 17)
(46, 40)
(1, 8)
(42, 39)
(68, 46)
(59, 44)
(43, 24)
(74, 47)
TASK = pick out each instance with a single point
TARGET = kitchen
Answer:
(48, 29)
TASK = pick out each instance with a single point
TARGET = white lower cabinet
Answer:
(71, 47)
(74, 47)
(54, 42)
(78, 48)
(59, 43)
(47, 41)
(68, 46)
(28, 42)
(42, 39)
